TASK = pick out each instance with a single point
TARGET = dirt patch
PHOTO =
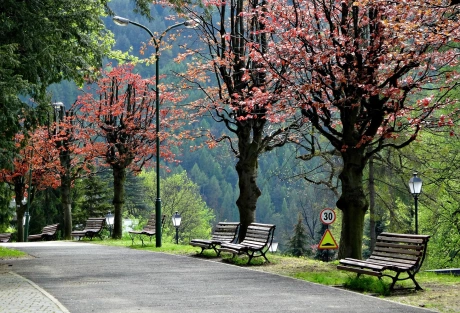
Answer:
(435, 296)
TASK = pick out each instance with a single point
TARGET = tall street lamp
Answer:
(415, 186)
(121, 21)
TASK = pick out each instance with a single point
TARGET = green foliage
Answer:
(54, 39)
(92, 198)
(5, 211)
(45, 210)
(6, 253)
(368, 284)
(298, 243)
(325, 278)
(179, 193)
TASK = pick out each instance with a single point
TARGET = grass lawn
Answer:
(6, 253)
(440, 291)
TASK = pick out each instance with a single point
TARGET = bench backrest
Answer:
(150, 226)
(50, 229)
(225, 231)
(259, 235)
(5, 237)
(95, 223)
(406, 249)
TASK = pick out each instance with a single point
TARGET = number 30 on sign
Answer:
(327, 216)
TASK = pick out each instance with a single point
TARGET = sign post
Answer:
(327, 242)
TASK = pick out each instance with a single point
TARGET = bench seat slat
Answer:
(399, 256)
(399, 246)
(388, 262)
(359, 270)
(404, 262)
(399, 251)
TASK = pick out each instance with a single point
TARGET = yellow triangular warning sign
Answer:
(328, 241)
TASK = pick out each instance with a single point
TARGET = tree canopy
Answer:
(367, 75)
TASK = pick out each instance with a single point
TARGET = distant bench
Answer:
(149, 230)
(93, 228)
(49, 232)
(258, 239)
(224, 232)
(400, 253)
(5, 237)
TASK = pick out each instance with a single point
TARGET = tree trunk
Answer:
(66, 185)
(247, 169)
(19, 215)
(66, 201)
(119, 178)
(353, 204)
(372, 219)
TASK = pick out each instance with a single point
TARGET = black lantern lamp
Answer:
(415, 186)
(176, 219)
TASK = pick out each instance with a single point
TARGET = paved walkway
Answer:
(91, 278)
(20, 295)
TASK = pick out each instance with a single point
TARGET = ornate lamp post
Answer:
(415, 186)
(121, 21)
(109, 220)
(176, 219)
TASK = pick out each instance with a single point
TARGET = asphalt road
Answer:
(93, 278)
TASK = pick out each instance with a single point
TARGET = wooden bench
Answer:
(49, 232)
(149, 230)
(224, 232)
(398, 253)
(258, 239)
(5, 237)
(93, 228)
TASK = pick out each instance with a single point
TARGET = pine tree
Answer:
(298, 243)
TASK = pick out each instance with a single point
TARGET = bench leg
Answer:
(132, 239)
(142, 240)
(412, 276)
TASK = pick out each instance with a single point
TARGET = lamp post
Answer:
(121, 21)
(109, 220)
(58, 114)
(415, 186)
(273, 247)
(176, 219)
(25, 218)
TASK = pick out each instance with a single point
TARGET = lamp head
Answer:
(176, 219)
(192, 23)
(273, 247)
(57, 105)
(120, 21)
(109, 218)
(415, 185)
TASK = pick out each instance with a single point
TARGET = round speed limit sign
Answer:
(327, 216)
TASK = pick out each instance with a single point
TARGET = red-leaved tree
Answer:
(367, 75)
(35, 167)
(120, 126)
(239, 95)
